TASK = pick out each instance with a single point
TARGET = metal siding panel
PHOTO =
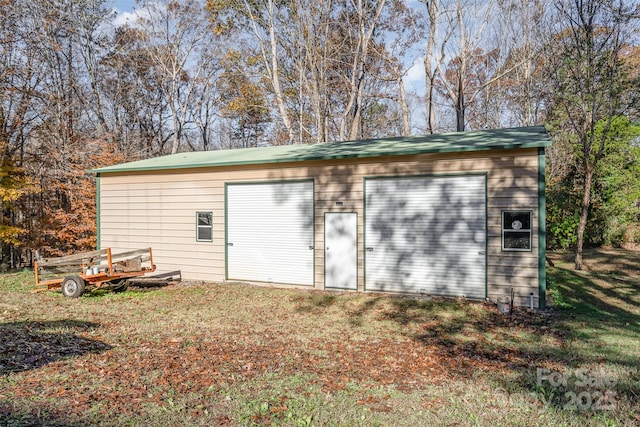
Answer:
(426, 234)
(165, 222)
(270, 232)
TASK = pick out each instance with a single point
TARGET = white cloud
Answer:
(125, 18)
(131, 18)
(414, 78)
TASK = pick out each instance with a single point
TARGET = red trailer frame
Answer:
(97, 269)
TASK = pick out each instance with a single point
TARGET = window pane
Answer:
(205, 233)
(517, 240)
(517, 220)
(205, 218)
(204, 226)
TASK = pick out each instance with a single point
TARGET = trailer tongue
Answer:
(92, 270)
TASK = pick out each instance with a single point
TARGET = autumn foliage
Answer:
(14, 184)
(69, 224)
(50, 205)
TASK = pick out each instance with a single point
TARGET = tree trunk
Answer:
(358, 67)
(275, 75)
(430, 105)
(176, 133)
(584, 214)
(430, 73)
(406, 122)
(460, 106)
(357, 111)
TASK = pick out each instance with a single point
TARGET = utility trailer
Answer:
(92, 270)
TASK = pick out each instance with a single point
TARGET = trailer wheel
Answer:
(120, 285)
(72, 286)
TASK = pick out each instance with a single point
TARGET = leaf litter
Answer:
(141, 358)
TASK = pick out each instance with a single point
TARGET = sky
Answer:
(124, 5)
(124, 9)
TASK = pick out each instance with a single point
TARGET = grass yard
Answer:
(231, 354)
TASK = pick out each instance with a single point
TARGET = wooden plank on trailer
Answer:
(169, 275)
(145, 251)
(58, 271)
(47, 283)
(141, 258)
(74, 259)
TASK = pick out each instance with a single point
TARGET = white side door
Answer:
(341, 250)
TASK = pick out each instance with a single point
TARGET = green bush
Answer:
(632, 233)
(615, 232)
(564, 233)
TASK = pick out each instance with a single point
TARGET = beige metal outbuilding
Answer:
(458, 214)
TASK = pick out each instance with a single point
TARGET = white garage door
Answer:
(427, 235)
(270, 232)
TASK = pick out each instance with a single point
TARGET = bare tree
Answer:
(314, 57)
(436, 44)
(206, 100)
(19, 81)
(134, 95)
(243, 102)
(266, 20)
(525, 31)
(364, 19)
(93, 45)
(399, 32)
(470, 19)
(320, 59)
(173, 35)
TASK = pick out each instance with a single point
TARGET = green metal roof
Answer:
(524, 137)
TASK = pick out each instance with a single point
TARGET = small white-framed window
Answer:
(204, 226)
(516, 230)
